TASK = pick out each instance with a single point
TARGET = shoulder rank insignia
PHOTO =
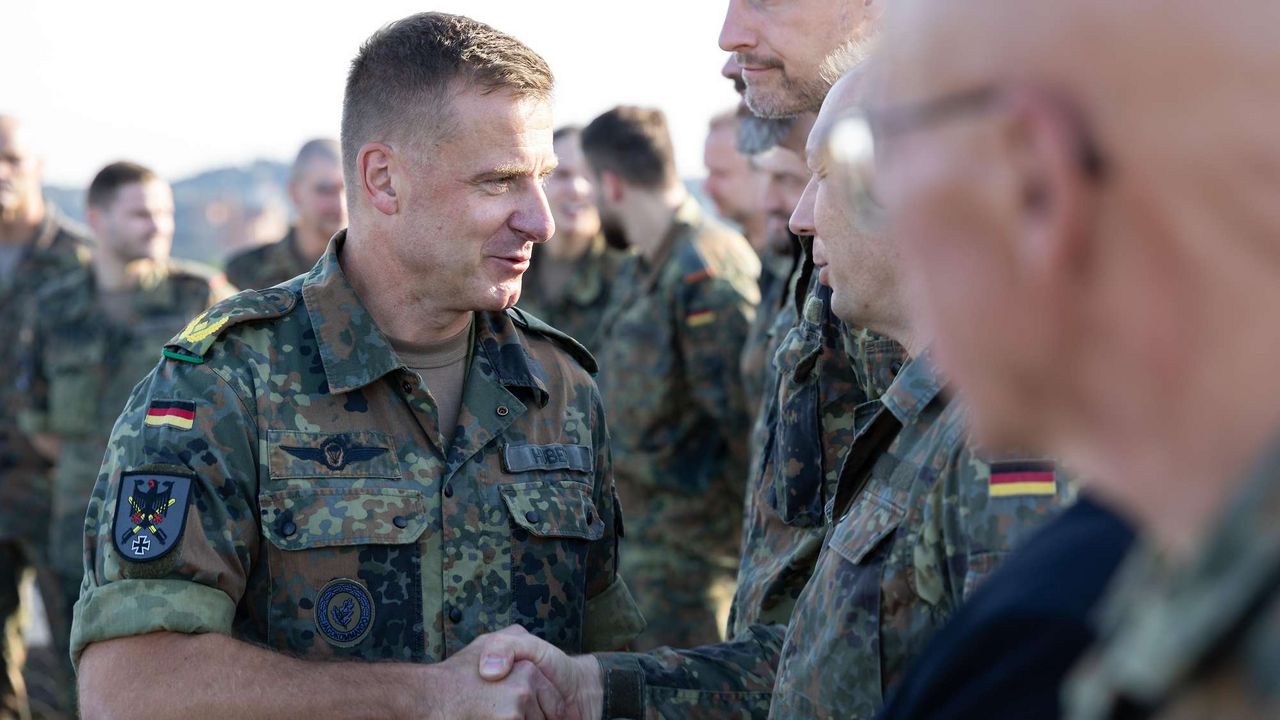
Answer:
(1020, 478)
(151, 514)
(198, 336)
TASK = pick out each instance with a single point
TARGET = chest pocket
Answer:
(345, 570)
(75, 386)
(856, 562)
(554, 524)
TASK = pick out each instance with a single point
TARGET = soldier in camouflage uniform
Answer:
(284, 488)
(917, 518)
(36, 244)
(570, 280)
(1120, 262)
(672, 340)
(93, 339)
(320, 206)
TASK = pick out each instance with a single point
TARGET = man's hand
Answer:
(576, 679)
(523, 692)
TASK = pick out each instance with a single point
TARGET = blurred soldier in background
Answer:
(92, 339)
(36, 244)
(734, 186)
(315, 187)
(671, 382)
(1096, 238)
(570, 279)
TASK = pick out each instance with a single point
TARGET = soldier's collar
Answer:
(354, 351)
(915, 387)
(500, 352)
(687, 216)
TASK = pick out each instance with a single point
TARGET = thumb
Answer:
(501, 650)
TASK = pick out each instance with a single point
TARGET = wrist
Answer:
(590, 684)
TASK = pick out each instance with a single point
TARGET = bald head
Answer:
(20, 175)
(1085, 193)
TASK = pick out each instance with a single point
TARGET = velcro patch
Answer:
(179, 414)
(1023, 478)
(522, 458)
(700, 318)
(151, 514)
(344, 612)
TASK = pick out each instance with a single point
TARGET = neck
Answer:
(390, 296)
(311, 242)
(756, 228)
(20, 224)
(113, 274)
(1188, 396)
(650, 219)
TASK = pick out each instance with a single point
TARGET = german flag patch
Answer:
(179, 414)
(699, 318)
(1022, 478)
(697, 276)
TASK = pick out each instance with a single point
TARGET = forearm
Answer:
(214, 676)
(714, 681)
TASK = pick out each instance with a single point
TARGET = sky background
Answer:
(185, 87)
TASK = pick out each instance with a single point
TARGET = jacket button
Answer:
(591, 516)
(455, 615)
(448, 490)
(533, 517)
(400, 521)
(896, 367)
(288, 529)
(503, 411)
(407, 387)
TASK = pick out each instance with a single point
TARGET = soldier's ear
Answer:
(374, 172)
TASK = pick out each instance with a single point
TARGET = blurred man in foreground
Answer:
(36, 244)
(93, 338)
(1103, 275)
(571, 277)
(315, 187)
(671, 344)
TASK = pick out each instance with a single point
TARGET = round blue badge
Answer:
(344, 612)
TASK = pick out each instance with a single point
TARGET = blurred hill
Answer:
(217, 212)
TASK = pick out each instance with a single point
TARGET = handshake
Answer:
(512, 674)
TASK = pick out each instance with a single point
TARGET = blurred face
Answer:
(472, 206)
(570, 194)
(855, 256)
(781, 45)
(952, 196)
(138, 224)
(319, 198)
(786, 176)
(733, 185)
(19, 171)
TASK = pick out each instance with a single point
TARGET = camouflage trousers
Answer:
(685, 599)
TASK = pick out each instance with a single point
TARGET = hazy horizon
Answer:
(258, 79)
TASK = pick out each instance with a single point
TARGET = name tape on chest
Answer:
(522, 458)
